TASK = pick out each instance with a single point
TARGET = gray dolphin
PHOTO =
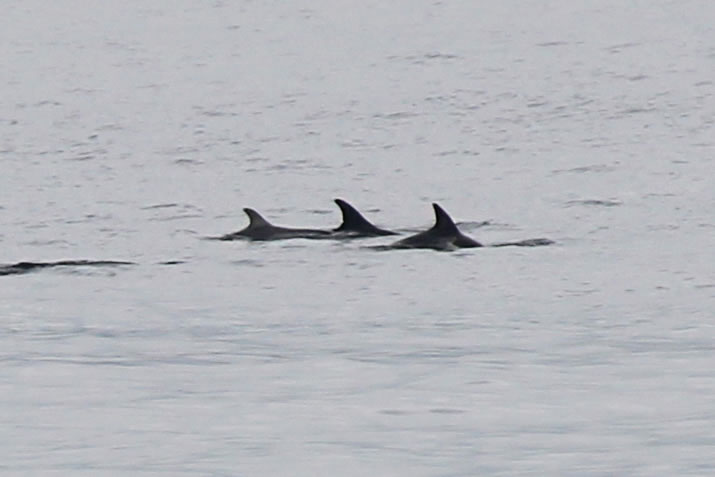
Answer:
(26, 267)
(354, 225)
(444, 235)
(260, 229)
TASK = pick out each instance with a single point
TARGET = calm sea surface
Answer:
(134, 130)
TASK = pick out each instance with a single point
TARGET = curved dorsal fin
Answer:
(443, 222)
(352, 219)
(255, 219)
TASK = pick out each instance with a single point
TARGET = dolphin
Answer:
(260, 229)
(354, 225)
(26, 267)
(444, 235)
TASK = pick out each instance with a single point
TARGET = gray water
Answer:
(133, 130)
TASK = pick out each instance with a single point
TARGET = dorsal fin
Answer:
(352, 219)
(256, 220)
(443, 222)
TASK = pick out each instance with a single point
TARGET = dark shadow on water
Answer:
(594, 203)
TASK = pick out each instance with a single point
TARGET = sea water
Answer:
(135, 130)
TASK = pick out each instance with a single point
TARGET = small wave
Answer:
(160, 206)
(620, 47)
(582, 169)
(594, 202)
(474, 224)
(188, 162)
(552, 43)
(535, 242)
(438, 56)
(395, 115)
(249, 262)
(176, 217)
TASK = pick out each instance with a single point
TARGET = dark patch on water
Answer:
(249, 262)
(160, 206)
(552, 43)
(582, 169)
(438, 56)
(43, 243)
(473, 224)
(620, 47)
(321, 211)
(594, 202)
(395, 412)
(395, 115)
(88, 218)
(176, 217)
(185, 211)
(218, 113)
(454, 152)
(47, 102)
(188, 162)
(537, 104)
(447, 411)
(535, 242)
(425, 57)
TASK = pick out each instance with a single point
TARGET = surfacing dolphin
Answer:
(354, 225)
(26, 267)
(260, 229)
(444, 235)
